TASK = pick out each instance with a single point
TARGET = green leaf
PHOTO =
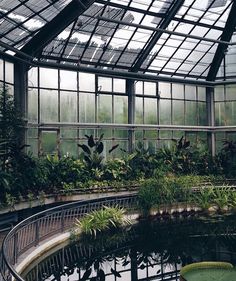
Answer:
(85, 148)
(87, 274)
(113, 148)
(91, 142)
(100, 147)
(101, 275)
(100, 138)
(116, 273)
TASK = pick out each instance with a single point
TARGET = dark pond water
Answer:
(154, 250)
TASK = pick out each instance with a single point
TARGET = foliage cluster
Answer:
(167, 192)
(21, 173)
(102, 220)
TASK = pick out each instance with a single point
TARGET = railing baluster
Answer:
(56, 220)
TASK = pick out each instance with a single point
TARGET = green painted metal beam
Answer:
(146, 52)
(48, 32)
(222, 48)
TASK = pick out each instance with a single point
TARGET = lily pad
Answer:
(208, 271)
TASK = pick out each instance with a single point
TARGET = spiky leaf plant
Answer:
(101, 220)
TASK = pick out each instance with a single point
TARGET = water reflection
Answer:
(153, 250)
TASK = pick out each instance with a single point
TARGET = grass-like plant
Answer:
(221, 198)
(204, 198)
(102, 220)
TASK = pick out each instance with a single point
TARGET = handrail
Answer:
(36, 228)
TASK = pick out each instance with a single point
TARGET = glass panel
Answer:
(68, 106)
(105, 84)
(150, 134)
(86, 108)
(68, 80)
(33, 77)
(164, 90)
(190, 113)
(33, 146)
(121, 150)
(69, 148)
(88, 132)
(151, 145)
(68, 133)
(9, 72)
(32, 133)
(150, 111)
(104, 109)
(139, 88)
(107, 132)
(202, 114)
(220, 136)
(120, 109)
(219, 114)
(149, 88)
(231, 136)
(107, 146)
(192, 137)
(219, 93)
(190, 92)
(139, 110)
(33, 105)
(49, 142)
(177, 91)
(202, 140)
(230, 92)
(177, 134)
(48, 106)
(178, 112)
(165, 112)
(48, 78)
(230, 113)
(138, 136)
(10, 89)
(86, 82)
(1, 70)
(165, 134)
(119, 85)
(201, 93)
(120, 133)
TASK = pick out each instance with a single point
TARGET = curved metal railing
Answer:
(35, 229)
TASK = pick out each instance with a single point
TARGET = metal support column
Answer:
(210, 119)
(20, 92)
(131, 113)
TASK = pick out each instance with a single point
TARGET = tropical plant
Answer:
(93, 151)
(41, 197)
(184, 158)
(151, 194)
(142, 162)
(64, 170)
(11, 127)
(221, 198)
(10, 201)
(116, 169)
(204, 198)
(102, 220)
(227, 158)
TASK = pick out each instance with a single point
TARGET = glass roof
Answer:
(123, 34)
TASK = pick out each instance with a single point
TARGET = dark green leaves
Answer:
(116, 273)
(85, 148)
